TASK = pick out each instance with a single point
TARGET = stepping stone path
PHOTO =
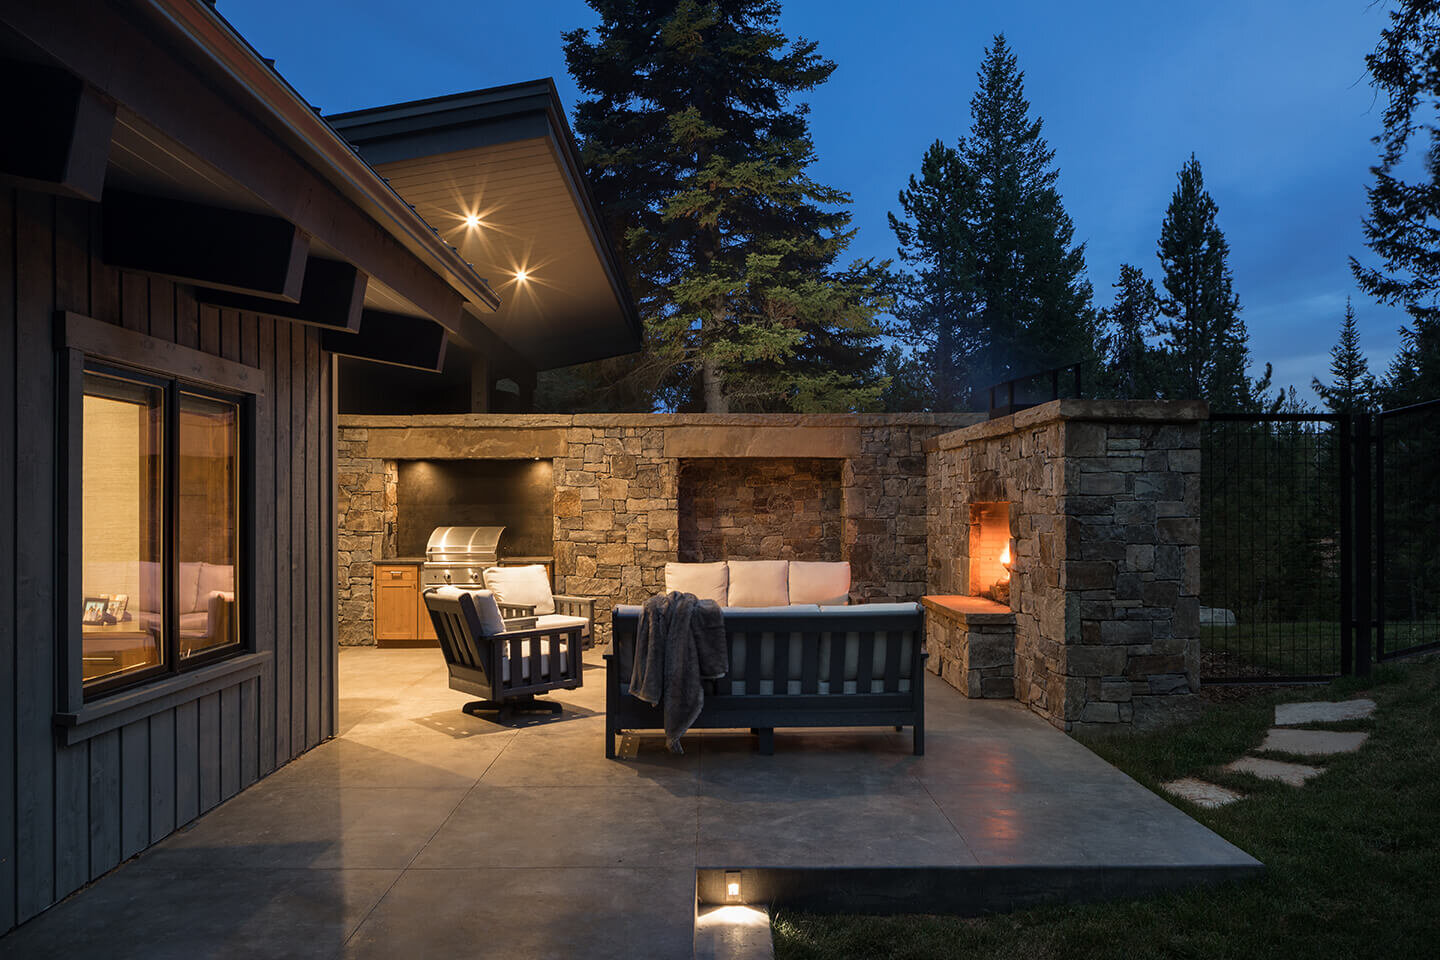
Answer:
(1321, 711)
(1310, 743)
(1294, 774)
(1202, 794)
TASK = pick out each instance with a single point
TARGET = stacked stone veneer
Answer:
(760, 509)
(617, 492)
(1104, 512)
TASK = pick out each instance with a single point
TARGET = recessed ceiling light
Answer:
(472, 220)
(522, 275)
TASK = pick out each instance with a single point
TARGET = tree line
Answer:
(697, 146)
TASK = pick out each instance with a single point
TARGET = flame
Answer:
(1005, 554)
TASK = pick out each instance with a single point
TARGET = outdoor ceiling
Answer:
(528, 224)
(496, 173)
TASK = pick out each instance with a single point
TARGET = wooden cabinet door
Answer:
(426, 625)
(395, 603)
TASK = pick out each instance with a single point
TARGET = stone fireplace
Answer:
(989, 553)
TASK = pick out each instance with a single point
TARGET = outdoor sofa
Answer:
(799, 665)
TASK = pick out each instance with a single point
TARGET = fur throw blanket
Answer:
(679, 641)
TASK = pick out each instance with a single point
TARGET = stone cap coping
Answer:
(1094, 411)
(971, 611)
(521, 421)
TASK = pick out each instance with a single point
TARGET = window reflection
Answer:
(122, 613)
(208, 523)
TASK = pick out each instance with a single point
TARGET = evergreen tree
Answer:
(1133, 369)
(1352, 387)
(699, 158)
(1207, 345)
(1403, 227)
(999, 288)
(935, 302)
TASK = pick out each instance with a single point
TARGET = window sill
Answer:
(112, 712)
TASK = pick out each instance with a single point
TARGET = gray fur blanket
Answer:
(679, 641)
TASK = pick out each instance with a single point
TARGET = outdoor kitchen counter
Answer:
(971, 642)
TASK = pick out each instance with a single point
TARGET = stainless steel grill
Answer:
(458, 554)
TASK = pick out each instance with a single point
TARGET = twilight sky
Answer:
(1271, 97)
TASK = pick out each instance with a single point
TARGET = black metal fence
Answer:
(1407, 532)
(1274, 538)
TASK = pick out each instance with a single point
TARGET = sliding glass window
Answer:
(161, 518)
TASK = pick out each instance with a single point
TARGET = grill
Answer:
(458, 554)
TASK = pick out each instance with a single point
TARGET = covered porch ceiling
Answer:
(496, 173)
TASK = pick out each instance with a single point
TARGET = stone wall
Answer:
(617, 491)
(1105, 515)
(760, 509)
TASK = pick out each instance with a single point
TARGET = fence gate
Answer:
(1275, 547)
(1407, 530)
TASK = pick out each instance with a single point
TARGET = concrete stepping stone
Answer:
(1312, 743)
(1289, 714)
(1293, 774)
(1200, 793)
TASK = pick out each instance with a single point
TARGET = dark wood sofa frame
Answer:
(763, 712)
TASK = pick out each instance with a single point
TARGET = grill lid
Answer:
(463, 544)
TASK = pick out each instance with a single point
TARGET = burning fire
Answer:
(1005, 562)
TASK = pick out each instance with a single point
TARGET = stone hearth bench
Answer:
(794, 666)
(972, 644)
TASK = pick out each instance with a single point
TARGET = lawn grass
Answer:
(1352, 859)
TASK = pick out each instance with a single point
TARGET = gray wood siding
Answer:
(70, 813)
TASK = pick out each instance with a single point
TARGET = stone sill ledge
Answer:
(1092, 411)
(970, 611)
(492, 421)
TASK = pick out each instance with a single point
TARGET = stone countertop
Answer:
(409, 560)
(969, 609)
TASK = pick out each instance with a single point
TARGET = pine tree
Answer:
(999, 287)
(935, 302)
(699, 158)
(1352, 387)
(1403, 226)
(1132, 370)
(1033, 298)
(1207, 345)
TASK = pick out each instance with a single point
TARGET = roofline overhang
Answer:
(295, 122)
(518, 98)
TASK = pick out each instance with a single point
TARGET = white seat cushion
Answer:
(819, 582)
(525, 662)
(759, 583)
(557, 621)
(528, 585)
(708, 581)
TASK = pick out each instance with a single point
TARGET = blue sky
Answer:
(1270, 96)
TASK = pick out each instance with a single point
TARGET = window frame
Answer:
(88, 345)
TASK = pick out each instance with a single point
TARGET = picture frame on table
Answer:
(95, 610)
(116, 608)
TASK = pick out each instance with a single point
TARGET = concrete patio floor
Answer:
(421, 831)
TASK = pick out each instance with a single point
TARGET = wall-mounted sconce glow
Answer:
(732, 887)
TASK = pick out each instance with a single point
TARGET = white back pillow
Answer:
(819, 582)
(759, 583)
(486, 610)
(527, 584)
(708, 581)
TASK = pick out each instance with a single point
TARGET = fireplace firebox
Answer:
(991, 551)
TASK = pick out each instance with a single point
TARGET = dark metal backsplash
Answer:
(516, 494)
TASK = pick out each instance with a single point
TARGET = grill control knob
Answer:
(474, 576)
(447, 576)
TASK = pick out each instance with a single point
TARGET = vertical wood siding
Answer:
(69, 814)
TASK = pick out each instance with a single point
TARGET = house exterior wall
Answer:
(617, 492)
(71, 810)
(1105, 502)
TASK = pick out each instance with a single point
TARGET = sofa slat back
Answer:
(808, 654)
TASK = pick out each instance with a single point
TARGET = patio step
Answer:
(961, 890)
(733, 932)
